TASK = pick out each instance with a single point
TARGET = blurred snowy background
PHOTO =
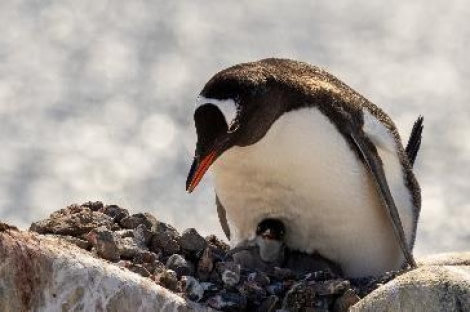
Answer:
(96, 97)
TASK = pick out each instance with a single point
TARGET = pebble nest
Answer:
(199, 268)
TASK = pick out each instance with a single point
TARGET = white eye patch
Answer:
(228, 107)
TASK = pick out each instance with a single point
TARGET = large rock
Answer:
(440, 284)
(39, 273)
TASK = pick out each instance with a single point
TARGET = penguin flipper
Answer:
(414, 142)
(222, 217)
(367, 151)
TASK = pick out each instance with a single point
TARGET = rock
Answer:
(94, 206)
(145, 256)
(205, 264)
(260, 278)
(230, 272)
(180, 265)
(105, 243)
(115, 212)
(343, 303)
(6, 227)
(213, 241)
(169, 279)
(133, 221)
(300, 297)
(142, 236)
(41, 273)
(193, 289)
(429, 288)
(192, 241)
(253, 291)
(74, 220)
(165, 238)
(127, 247)
(330, 287)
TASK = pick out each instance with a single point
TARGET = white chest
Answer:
(304, 173)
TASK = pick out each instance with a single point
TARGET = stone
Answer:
(142, 236)
(253, 291)
(260, 278)
(192, 288)
(180, 265)
(74, 221)
(205, 264)
(127, 247)
(191, 241)
(115, 212)
(213, 241)
(7, 227)
(145, 256)
(165, 238)
(169, 279)
(230, 273)
(330, 287)
(133, 221)
(299, 297)
(429, 288)
(343, 303)
(94, 206)
(105, 243)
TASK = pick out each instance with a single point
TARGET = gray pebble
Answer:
(180, 265)
(165, 239)
(74, 220)
(343, 303)
(142, 236)
(115, 212)
(205, 264)
(127, 247)
(230, 273)
(169, 279)
(193, 289)
(192, 241)
(105, 243)
(133, 221)
(260, 278)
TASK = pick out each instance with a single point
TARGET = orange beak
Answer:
(198, 169)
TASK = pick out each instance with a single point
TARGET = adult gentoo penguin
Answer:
(288, 141)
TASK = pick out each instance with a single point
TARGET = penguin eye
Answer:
(234, 125)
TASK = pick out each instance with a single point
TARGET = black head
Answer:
(239, 104)
(271, 229)
(236, 107)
